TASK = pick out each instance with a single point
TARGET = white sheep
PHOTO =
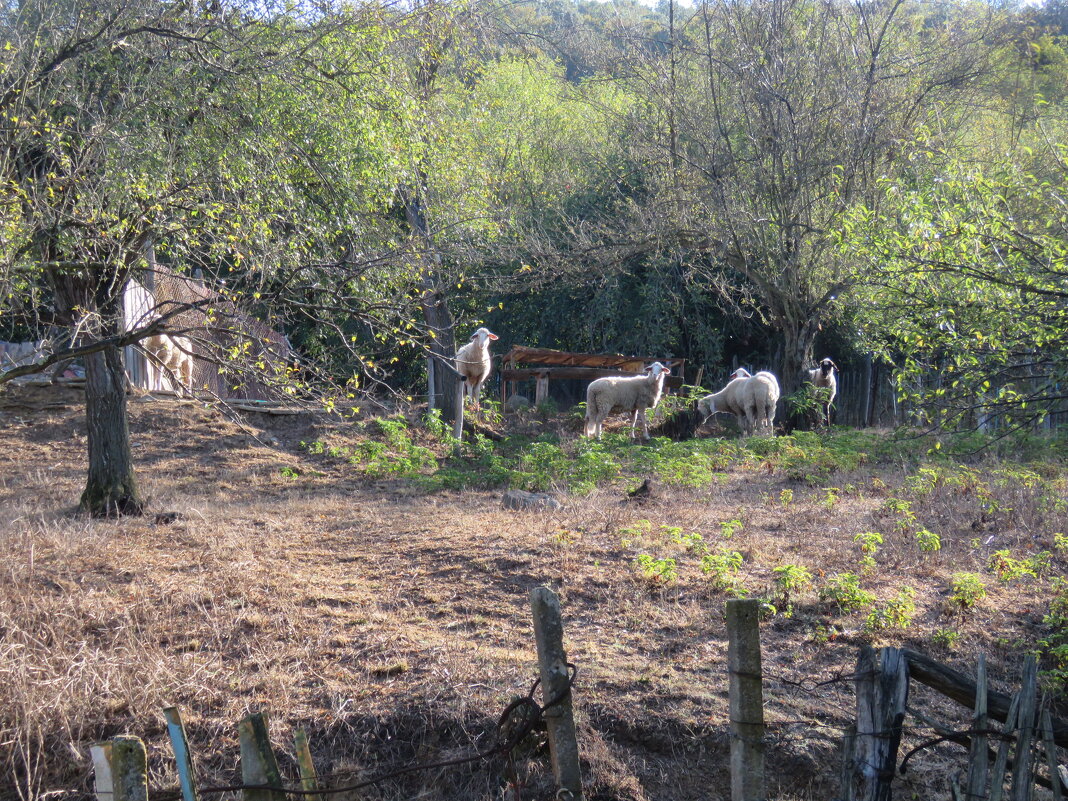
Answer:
(171, 355)
(473, 363)
(751, 398)
(822, 377)
(626, 393)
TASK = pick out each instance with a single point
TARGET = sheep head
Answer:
(483, 335)
(826, 366)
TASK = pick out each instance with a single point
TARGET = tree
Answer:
(762, 123)
(968, 285)
(223, 140)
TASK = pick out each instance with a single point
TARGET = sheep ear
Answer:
(494, 336)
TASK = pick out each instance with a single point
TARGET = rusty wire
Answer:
(511, 729)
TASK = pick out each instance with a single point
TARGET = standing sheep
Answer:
(172, 356)
(473, 363)
(628, 394)
(826, 385)
(751, 398)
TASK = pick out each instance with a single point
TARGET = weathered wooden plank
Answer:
(997, 777)
(961, 689)
(309, 780)
(182, 755)
(1051, 755)
(1023, 786)
(978, 760)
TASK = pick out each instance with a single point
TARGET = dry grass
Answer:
(393, 625)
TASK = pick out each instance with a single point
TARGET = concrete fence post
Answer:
(258, 764)
(746, 698)
(560, 717)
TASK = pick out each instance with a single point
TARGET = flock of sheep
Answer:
(751, 398)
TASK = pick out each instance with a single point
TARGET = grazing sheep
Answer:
(173, 357)
(751, 398)
(822, 377)
(628, 394)
(473, 363)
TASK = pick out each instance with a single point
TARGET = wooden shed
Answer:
(214, 336)
(543, 365)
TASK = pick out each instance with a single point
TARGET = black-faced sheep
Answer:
(823, 379)
(632, 394)
(473, 363)
(751, 398)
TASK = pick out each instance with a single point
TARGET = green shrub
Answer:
(790, 581)
(722, 566)
(658, 571)
(1054, 644)
(928, 541)
(843, 590)
(896, 613)
(966, 591)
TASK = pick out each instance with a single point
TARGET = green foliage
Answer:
(946, 638)
(843, 590)
(789, 581)
(896, 613)
(628, 534)
(728, 528)
(928, 541)
(869, 542)
(966, 591)
(722, 567)
(1007, 568)
(657, 570)
(1055, 642)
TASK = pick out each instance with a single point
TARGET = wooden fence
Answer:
(1011, 742)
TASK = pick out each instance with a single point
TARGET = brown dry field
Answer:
(394, 625)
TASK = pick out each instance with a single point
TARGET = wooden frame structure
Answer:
(543, 365)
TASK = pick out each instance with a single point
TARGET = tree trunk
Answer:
(110, 489)
(93, 302)
(796, 355)
(435, 307)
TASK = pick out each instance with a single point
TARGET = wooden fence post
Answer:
(881, 698)
(309, 781)
(121, 769)
(997, 779)
(979, 763)
(555, 677)
(182, 756)
(258, 765)
(458, 423)
(1051, 756)
(1022, 773)
(746, 697)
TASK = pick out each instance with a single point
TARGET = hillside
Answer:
(387, 613)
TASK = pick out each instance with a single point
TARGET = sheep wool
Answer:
(474, 364)
(173, 357)
(751, 398)
(632, 394)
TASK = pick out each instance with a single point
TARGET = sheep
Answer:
(473, 363)
(632, 394)
(752, 398)
(822, 378)
(171, 354)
